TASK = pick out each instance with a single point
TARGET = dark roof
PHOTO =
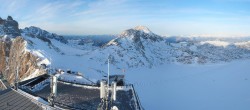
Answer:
(12, 100)
(81, 98)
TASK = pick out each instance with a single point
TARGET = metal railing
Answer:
(3, 84)
(138, 103)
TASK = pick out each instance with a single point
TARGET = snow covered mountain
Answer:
(133, 48)
(138, 47)
(45, 36)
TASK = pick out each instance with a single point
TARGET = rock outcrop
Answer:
(5, 44)
(14, 57)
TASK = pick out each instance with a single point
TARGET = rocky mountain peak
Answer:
(34, 30)
(9, 18)
(9, 27)
(140, 32)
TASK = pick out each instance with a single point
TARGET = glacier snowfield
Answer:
(224, 86)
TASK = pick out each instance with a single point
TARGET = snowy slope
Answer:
(58, 55)
(221, 86)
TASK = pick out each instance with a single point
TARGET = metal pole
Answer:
(16, 80)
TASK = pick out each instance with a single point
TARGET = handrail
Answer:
(3, 84)
(137, 98)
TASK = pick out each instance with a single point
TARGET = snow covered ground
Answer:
(224, 86)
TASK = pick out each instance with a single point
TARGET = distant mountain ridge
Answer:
(88, 41)
(36, 32)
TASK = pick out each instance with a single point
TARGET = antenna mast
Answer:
(50, 70)
(107, 102)
(108, 71)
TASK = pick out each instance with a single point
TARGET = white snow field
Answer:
(224, 86)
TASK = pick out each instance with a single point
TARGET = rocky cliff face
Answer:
(13, 54)
(5, 44)
(14, 57)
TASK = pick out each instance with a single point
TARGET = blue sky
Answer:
(163, 17)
